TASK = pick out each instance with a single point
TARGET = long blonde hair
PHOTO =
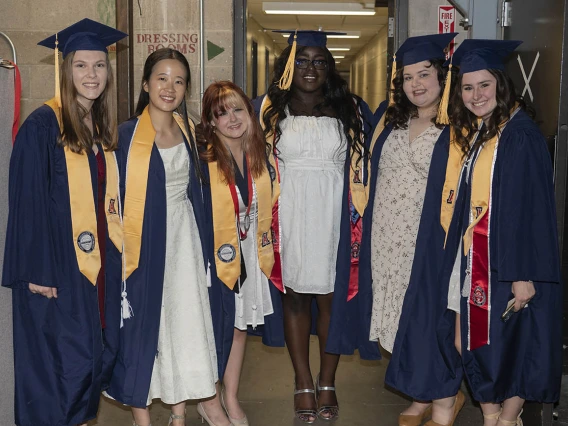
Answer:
(75, 134)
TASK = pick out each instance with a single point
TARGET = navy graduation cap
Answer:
(423, 48)
(475, 55)
(306, 38)
(84, 35)
(312, 38)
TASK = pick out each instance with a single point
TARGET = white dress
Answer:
(399, 197)
(311, 160)
(253, 302)
(186, 364)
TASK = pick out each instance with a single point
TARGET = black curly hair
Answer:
(336, 94)
(403, 110)
(464, 121)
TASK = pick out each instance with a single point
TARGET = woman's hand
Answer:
(48, 292)
(523, 291)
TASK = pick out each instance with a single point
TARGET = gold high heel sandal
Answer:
(414, 419)
(493, 416)
(517, 422)
(458, 405)
(204, 417)
(235, 422)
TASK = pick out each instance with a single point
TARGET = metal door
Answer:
(539, 73)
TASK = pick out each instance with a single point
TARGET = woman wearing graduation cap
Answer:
(64, 235)
(316, 130)
(498, 207)
(167, 348)
(404, 168)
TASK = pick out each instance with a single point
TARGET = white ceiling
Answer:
(369, 26)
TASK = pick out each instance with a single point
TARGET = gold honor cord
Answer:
(226, 239)
(82, 205)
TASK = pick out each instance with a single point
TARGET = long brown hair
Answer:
(144, 96)
(403, 110)
(465, 123)
(75, 133)
(218, 97)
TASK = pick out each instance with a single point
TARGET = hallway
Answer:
(267, 387)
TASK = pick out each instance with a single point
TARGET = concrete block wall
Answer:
(28, 21)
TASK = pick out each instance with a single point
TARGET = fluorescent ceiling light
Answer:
(338, 57)
(348, 34)
(339, 49)
(289, 8)
(337, 62)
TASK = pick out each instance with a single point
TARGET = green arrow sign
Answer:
(213, 50)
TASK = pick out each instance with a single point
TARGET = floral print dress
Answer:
(399, 196)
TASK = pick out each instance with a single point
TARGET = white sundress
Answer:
(311, 159)
(186, 364)
(399, 197)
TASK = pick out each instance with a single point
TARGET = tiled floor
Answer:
(266, 394)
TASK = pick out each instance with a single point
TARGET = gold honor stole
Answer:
(83, 211)
(476, 238)
(137, 168)
(226, 239)
(274, 172)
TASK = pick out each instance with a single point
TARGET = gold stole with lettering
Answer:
(226, 239)
(82, 204)
(137, 169)
(480, 182)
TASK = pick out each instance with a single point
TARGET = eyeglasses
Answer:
(318, 64)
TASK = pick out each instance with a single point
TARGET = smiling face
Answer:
(478, 90)
(90, 74)
(310, 79)
(167, 85)
(421, 85)
(232, 121)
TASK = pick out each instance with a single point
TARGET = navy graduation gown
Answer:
(418, 368)
(346, 330)
(60, 359)
(525, 355)
(222, 298)
(132, 373)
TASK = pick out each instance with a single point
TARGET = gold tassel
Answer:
(442, 117)
(393, 74)
(57, 90)
(286, 80)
